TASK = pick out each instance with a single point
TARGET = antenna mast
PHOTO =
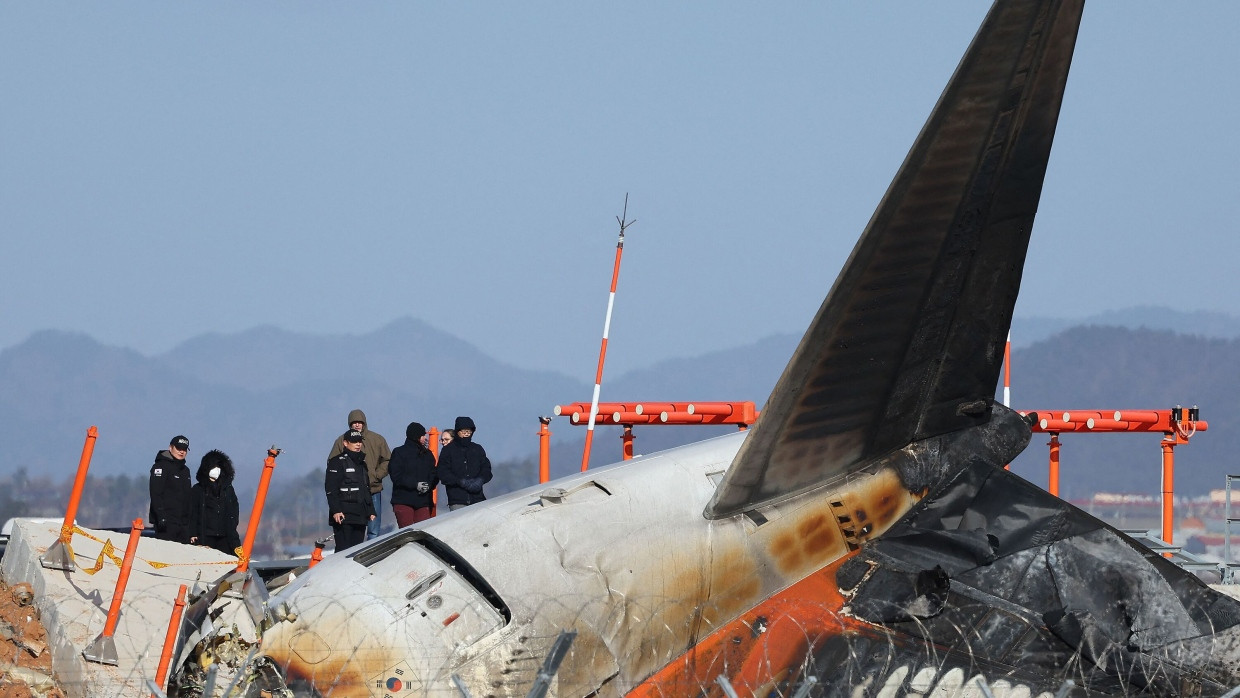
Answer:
(622, 219)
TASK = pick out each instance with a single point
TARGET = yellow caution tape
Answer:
(108, 552)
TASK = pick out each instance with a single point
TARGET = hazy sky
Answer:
(168, 169)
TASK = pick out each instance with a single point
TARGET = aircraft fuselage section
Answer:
(622, 555)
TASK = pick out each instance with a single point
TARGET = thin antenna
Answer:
(602, 352)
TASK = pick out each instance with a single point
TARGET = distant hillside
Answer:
(244, 391)
(1117, 368)
(1029, 330)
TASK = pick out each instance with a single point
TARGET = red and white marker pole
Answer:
(602, 352)
(1007, 393)
(1007, 371)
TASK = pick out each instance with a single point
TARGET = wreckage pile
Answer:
(25, 663)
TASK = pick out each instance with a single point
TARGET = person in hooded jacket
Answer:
(349, 504)
(377, 456)
(213, 509)
(464, 467)
(169, 486)
(414, 477)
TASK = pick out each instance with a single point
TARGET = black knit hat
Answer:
(414, 431)
(465, 423)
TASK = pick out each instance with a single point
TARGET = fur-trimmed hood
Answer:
(212, 460)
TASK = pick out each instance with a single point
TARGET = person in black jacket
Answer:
(170, 485)
(414, 479)
(464, 467)
(349, 504)
(213, 510)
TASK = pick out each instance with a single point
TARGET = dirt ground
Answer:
(25, 660)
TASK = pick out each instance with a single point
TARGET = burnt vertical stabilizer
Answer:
(909, 342)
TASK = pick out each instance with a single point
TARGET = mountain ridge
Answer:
(243, 391)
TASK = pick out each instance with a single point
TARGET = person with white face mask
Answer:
(213, 514)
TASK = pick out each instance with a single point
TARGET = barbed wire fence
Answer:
(794, 656)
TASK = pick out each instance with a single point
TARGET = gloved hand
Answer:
(424, 487)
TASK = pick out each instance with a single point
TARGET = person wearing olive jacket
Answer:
(349, 505)
(414, 477)
(464, 467)
(377, 456)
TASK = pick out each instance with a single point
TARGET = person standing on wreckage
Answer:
(464, 467)
(350, 507)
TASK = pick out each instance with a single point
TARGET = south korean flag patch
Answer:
(395, 682)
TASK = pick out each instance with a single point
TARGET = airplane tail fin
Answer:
(909, 342)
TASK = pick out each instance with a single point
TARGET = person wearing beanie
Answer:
(375, 447)
(169, 486)
(464, 467)
(347, 484)
(414, 477)
(213, 510)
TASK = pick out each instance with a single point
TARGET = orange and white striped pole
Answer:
(1007, 397)
(602, 352)
(1007, 371)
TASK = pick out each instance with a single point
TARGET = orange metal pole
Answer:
(1168, 488)
(722, 409)
(627, 439)
(1053, 484)
(131, 551)
(544, 449)
(79, 483)
(59, 555)
(317, 556)
(433, 438)
(170, 640)
(256, 514)
(1147, 416)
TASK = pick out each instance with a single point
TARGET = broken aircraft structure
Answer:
(862, 539)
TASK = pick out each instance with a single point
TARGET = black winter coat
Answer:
(348, 489)
(412, 463)
(463, 469)
(170, 485)
(213, 515)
